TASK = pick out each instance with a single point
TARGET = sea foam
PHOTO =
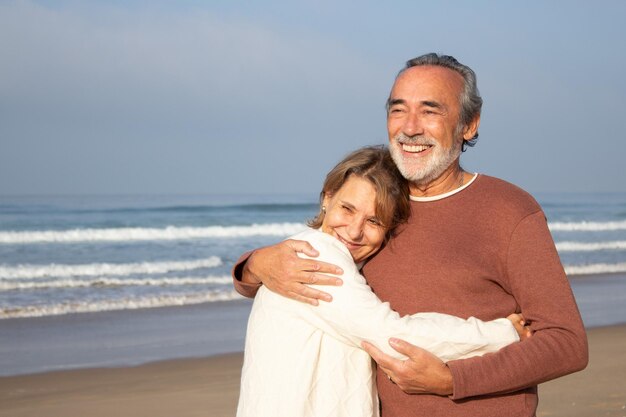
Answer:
(590, 246)
(586, 226)
(593, 269)
(103, 269)
(114, 282)
(151, 234)
(117, 304)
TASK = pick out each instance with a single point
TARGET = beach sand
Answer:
(209, 387)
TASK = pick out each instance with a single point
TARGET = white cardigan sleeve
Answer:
(357, 314)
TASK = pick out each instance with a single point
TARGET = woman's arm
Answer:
(356, 314)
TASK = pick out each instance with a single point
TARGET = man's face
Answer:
(422, 122)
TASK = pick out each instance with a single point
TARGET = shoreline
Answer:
(121, 338)
(210, 386)
(134, 337)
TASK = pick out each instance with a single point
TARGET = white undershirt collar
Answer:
(444, 195)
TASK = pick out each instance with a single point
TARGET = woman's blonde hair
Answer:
(372, 163)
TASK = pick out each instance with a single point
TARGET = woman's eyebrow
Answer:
(347, 203)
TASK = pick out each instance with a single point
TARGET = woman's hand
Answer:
(519, 323)
(280, 269)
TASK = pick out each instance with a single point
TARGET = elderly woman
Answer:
(303, 360)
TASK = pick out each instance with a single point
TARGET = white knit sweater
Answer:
(301, 360)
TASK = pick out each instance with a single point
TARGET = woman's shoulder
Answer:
(329, 248)
(333, 252)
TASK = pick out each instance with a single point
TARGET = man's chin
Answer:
(415, 175)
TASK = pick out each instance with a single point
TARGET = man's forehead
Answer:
(428, 77)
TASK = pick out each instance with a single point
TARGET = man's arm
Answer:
(279, 268)
(243, 283)
(558, 345)
(421, 373)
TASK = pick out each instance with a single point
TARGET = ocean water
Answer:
(71, 255)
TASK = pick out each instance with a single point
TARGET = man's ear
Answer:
(471, 129)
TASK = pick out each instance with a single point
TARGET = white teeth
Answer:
(414, 148)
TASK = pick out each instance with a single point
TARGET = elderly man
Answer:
(474, 246)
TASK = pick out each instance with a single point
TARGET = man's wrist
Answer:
(247, 276)
(241, 272)
(447, 383)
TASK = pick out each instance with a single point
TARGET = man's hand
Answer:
(421, 373)
(280, 269)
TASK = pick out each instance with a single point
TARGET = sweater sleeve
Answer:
(357, 314)
(559, 344)
(243, 288)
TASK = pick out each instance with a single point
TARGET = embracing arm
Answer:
(244, 283)
(356, 314)
(557, 347)
(559, 343)
(279, 268)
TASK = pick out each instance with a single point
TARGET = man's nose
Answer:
(412, 125)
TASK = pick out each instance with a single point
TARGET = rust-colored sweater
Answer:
(485, 251)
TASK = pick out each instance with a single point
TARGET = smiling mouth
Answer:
(415, 148)
(348, 243)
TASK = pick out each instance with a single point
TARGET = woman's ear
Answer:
(326, 200)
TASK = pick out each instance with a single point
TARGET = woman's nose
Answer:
(355, 230)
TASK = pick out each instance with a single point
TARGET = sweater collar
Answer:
(444, 195)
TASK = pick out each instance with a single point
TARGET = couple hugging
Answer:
(449, 280)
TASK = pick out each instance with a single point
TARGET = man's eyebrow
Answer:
(394, 101)
(428, 103)
(433, 104)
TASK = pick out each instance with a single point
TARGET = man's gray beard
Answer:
(436, 164)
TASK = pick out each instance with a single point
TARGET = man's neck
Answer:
(451, 179)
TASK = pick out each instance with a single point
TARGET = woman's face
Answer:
(351, 218)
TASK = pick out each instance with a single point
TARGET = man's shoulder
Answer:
(498, 192)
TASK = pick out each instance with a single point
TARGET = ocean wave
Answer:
(590, 246)
(594, 269)
(104, 269)
(113, 282)
(585, 226)
(144, 234)
(22, 209)
(117, 304)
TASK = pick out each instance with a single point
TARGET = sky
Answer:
(238, 97)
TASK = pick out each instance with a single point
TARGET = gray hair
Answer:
(471, 102)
